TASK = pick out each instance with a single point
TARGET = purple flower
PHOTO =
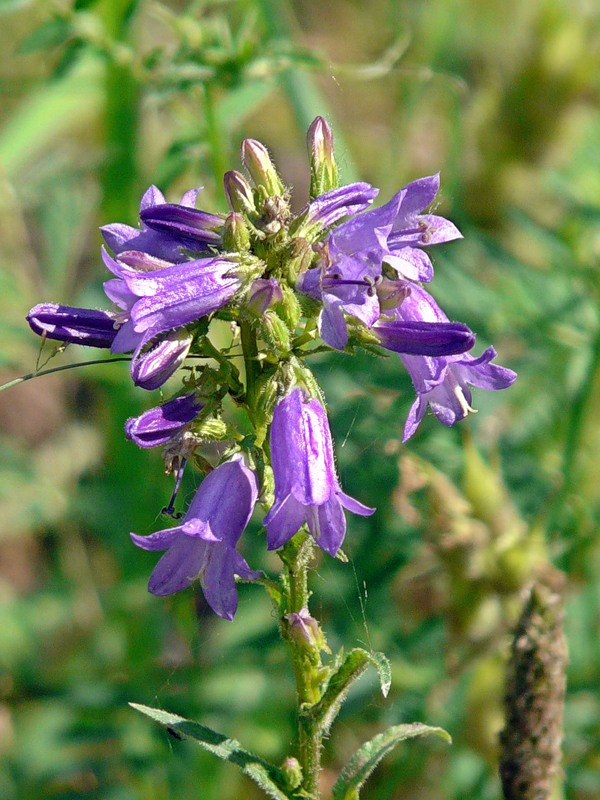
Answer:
(158, 425)
(157, 300)
(75, 325)
(353, 257)
(442, 382)
(412, 228)
(202, 547)
(166, 245)
(306, 484)
(263, 293)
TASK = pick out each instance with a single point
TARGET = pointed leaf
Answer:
(267, 776)
(363, 762)
(349, 671)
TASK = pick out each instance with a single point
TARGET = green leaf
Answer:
(349, 671)
(267, 776)
(352, 778)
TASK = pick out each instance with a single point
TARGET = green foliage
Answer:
(270, 779)
(366, 759)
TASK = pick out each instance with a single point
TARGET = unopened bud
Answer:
(211, 429)
(298, 256)
(258, 163)
(323, 169)
(392, 294)
(305, 630)
(238, 192)
(289, 307)
(292, 772)
(150, 368)
(263, 293)
(236, 236)
(276, 333)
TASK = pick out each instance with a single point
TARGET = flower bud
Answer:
(76, 325)
(236, 237)
(289, 308)
(391, 294)
(292, 772)
(305, 630)
(238, 192)
(323, 169)
(298, 256)
(263, 293)
(158, 425)
(258, 163)
(276, 333)
(151, 368)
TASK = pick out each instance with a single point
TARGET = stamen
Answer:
(459, 394)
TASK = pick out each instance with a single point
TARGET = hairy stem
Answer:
(306, 662)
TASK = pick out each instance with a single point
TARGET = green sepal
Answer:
(347, 671)
(354, 775)
(267, 776)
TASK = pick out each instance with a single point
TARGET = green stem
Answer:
(41, 372)
(306, 662)
(251, 365)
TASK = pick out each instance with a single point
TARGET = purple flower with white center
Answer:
(202, 547)
(306, 484)
(353, 257)
(165, 245)
(73, 325)
(151, 367)
(160, 424)
(442, 382)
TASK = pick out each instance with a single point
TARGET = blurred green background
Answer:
(100, 98)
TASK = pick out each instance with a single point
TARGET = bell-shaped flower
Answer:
(160, 424)
(307, 489)
(443, 382)
(202, 547)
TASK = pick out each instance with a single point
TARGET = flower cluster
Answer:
(339, 274)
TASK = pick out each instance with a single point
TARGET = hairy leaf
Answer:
(267, 776)
(363, 762)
